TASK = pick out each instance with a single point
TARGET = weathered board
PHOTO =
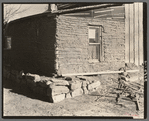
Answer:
(134, 33)
(127, 33)
(140, 33)
(131, 34)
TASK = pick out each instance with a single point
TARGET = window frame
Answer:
(6, 47)
(99, 43)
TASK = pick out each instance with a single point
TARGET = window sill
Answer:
(94, 43)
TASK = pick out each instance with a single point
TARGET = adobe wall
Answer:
(34, 49)
(72, 45)
(33, 41)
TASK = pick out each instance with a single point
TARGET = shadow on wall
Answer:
(33, 45)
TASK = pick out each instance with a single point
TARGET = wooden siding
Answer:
(134, 33)
(127, 33)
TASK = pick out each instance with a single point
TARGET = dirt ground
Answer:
(19, 101)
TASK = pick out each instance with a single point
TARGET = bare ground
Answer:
(19, 101)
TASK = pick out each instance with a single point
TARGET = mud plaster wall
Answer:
(72, 45)
(33, 45)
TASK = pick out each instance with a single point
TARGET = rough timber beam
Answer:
(85, 8)
(97, 73)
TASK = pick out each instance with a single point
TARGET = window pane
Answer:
(8, 43)
(92, 33)
(92, 41)
(94, 52)
(97, 36)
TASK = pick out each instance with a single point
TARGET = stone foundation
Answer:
(56, 89)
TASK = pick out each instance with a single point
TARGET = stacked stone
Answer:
(56, 89)
(75, 87)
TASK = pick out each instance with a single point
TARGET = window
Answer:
(7, 44)
(95, 41)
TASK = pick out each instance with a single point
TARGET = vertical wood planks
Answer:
(134, 33)
(136, 17)
(127, 33)
(140, 33)
(131, 34)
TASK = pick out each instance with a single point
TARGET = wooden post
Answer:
(127, 17)
(136, 32)
(52, 7)
(131, 34)
(140, 33)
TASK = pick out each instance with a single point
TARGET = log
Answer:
(131, 86)
(96, 73)
(137, 84)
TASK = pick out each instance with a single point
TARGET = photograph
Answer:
(74, 60)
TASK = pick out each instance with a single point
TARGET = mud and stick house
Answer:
(73, 39)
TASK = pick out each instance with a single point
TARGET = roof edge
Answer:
(36, 15)
(86, 8)
(49, 13)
